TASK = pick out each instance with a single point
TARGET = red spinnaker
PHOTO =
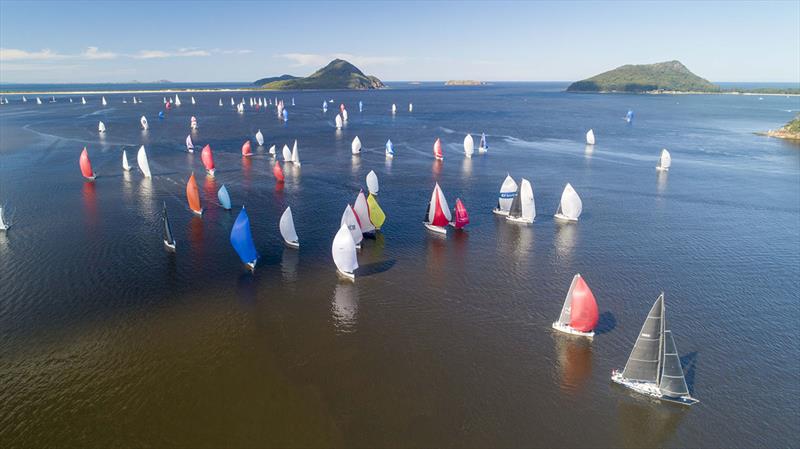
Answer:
(246, 151)
(437, 149)
(439, 218)
(276, 170)
(86, 165)
(584, 314)
(461, 215)
(207, 157)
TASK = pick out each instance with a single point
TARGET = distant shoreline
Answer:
(681, 92)
(129, 91)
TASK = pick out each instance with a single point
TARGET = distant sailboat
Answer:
(361, 209)
(125, 165)
(590, 137)
(437, 150)
(165, 100)
(259, 138)
(247, 148)
(376, 214)
(272, 150)
(508, 191)
(469, 145)
(177, 100)
(169, 239)
(277, 172)
(193, 102)
(295, 154)
(324, 106)
(389, 149)
(460, 215)
(570, 207)
(103, 101)
(360, 106)
(437, 215)
(86, 166)
(83, 100)
(24, 100)
(193, 195)
(344, 114)
(665, 161)
(411, 107)
(224, 197)
(339, 121)
(242, 240)
(344, 253)
(208, 160)
(523, 207)
(193, 122)
(355, 146)
(240, 108)
(287, 153)
(220, 101)
(135, 101)
(143, 121)
(101, 127)
(189, 144)
(654, 367)
(38, 100)
(350, 221)
(394, 108)
(286, 226)
(629, 116)
(141, 159)
(5, 224)
(372, 183)
(483, 147)
(232, 102)
(292, 101)
(579, 314)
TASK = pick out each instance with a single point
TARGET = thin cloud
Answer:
(95, 53)
(181, 52)
(13, 54)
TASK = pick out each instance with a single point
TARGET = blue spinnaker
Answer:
(224, 197)
(242, 239)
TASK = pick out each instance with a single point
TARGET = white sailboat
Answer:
(103, 101)
(665, 161)
(141, 159)
(355, 146)
(272, 150)
(4, 223)
(361, 209)
(523, 207)
(220, 101)
(372, 183)
(240, 108)
(165, 100)
(324, 106)
(125, 165)
(287, 153)
(232, 102)
(189, 144)
(38, 100)
(24, 100)
(411, 107)
(101, 127)
(259, 138)
(286, 226)
(344, 253)
(590, 137)
(193, 102)
(469, 145)
(177, 100)
(339, 121)
(83, 100)
(344, 114)
(508, 191)
(389, 149)
(394, 108)
(437, 216)
(193, 122)
(295, 154)
(571, 206)
(483, 146)
(579, 314)
(143, 121)
(350, 221)
(654, 367)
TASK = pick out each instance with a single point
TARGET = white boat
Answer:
(189, 144)
(272, 150)
(523, 207)
(193, 122)
(292, 101)
(469, 145)
(177, 100)
(24, 100)
(389, 149)
(83, 100)
(665, 161)
(103, 101)
(339, 121)
(141, 159)
(361, 209)
(4, 223)
(571, 206)
(125, 165)
(259, 138)
(220, 101)
(437, 216)
(287, 154)
(411, 107)
(372, 183)
(232, 102)
(483, 147)
(286, 226)
(344, 253)
(143, 121)
(355, 146)
(38, 100)
(324, 106)
(165, 100)
(193, 102)
(350, 221)
(240, 108)
(508, 191)
(295, 154)
(654, 367)
(579, 314)
(344, 115)
(101, 127)
(135, 101)
(590, 137)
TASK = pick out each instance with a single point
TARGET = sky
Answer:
(233, 41)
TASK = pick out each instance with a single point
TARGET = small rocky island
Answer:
(789, 131)
(339, 74)
(464, 83)
(669, 76)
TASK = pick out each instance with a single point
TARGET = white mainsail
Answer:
(143, 121)
(508, 191)
(590, 137)
(349, 220)
(571, 206)
(361, 209)
(220, 101)
(372, 182)
(144, 166)
(287, 154)
(394, 108)
(125, 165)
(469, 145)
(38, 100)
(344, 252)
(259, 138)
(295, 154)
(523, 208)
(83, 100)
(189, 143)
(339, 121)
(177, 100)
(104, 101)
(665, 161)
(411, 107)
(272, 150)
(286, 226)
(101, 127)
(355, 146)
(344, 114)
(193, 101)
(3, 223)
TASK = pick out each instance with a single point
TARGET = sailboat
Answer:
(437, 150)
(286, 226)
(376, 214)
(508, 191)
(246, 148)
(193, 101)
(277, 172)
(240, 108)
(177, 100)
(350, 221)
(103, 101)
(579, 314)
(193, 122)
(285, 115)
(344, 253)
(135, 101)
(394, 108)
(360, 106)
(654, 368)
(344, 114)
(189, 143)
(125, 165)
(101, 127)
(469, 145)
(629, 116)
(86, 166)
(590, 137)
(570, 207)
(292, 101)
(143, 121)
(295, 154)
(272, 150)
(361, 210)
(411, 107)
(83, 100)
(24, 100)
(324, 106)
(220, 101)
(232, 102)
(224, 198)
(208, 160)
(165, 100)
(389, 149)
(38, 100)
(242, 240)
(523, 207)
(483, 147)
(287, 153)
(169, 239)
(259, 138)
(355, 146)
(665, 161)
(5, 224)
(460, 215)
(339, 122)
(437, 215)
(372, 183)
(161, 113)
(193, 195)
(141, 159)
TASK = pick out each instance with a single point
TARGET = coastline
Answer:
(127, 91)
(681, 92)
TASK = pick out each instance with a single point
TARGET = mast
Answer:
(661, 340)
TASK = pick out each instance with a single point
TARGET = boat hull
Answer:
(502, 212)
(169, 246)
(482, 150)
(294, 245)
(518, 220)
(649, 389)
(570, 330)
(199, 213)
(436, 229)
(210, 172)
(347, 276)
(662, 169)
(563, 217)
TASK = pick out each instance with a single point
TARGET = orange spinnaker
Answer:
(193, 195)
(86, 165)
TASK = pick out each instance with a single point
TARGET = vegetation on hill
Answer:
(263, 81)
(662, 76)
(339, 74)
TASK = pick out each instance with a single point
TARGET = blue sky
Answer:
(98, 41)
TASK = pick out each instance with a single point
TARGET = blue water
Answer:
(106, 339)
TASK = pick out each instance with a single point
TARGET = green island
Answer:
(669, 76)
(338, 74)
(790, 131)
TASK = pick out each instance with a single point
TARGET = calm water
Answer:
(106, 340)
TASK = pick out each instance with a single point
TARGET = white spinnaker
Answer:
(287, 154)
(355, 146)
(571, 205)
(526, 201)
(259, 138)
(361, 209)
(141, 159)
(286, 226)
(143, 121)
(590, 137)
(469, 145)
(666, 160)
(507, 193)
(372, 183)
(344, 250)
(125, 165)
(295, 153)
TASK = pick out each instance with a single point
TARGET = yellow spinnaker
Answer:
(376, 214)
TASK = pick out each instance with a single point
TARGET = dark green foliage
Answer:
(668, 76)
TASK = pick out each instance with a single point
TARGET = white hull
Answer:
(211, 172)
(198, 213)
(500, 212)
(649, 389)
(569, 330)
(519, 220)
(347, 276)
(292, 244)
(662, 169)
(482, 150)
(170, 246)
(565, 218)
(436, 229)
(251, 265)
(439, 158)
(91, 178)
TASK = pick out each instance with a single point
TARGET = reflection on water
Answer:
(388, 164)
(146, 197)
(289, 261)
(90, 204)
(436, 168)
(646, 422)
(209, 193)
(356, 164)
(127, 186)
(588, 151)
(574, 361)
(436, 249)
(344, 308)
(466, 166)
(566, 236)
(515, 239)
(661, 181)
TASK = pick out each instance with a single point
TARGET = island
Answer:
(662, 77)
(464, 83)
(339, 74)
(789, 131)
(263, 81)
